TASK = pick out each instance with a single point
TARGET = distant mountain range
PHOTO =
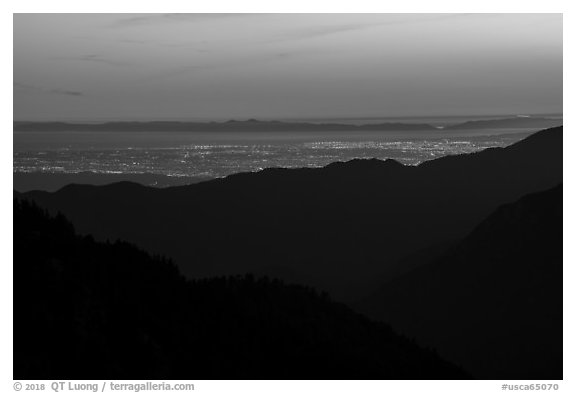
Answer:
(514, 122)
(270, 126)
(493, 302)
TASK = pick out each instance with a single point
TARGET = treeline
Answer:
(91, 310)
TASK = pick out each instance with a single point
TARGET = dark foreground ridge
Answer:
(28, 181)
(90, 310)
(341, 228)
(493, 303)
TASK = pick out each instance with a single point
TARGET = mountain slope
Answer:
(89, 310)
(493, 304)
(29, 181)
(339, 228)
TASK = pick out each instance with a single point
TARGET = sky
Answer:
(97, 67)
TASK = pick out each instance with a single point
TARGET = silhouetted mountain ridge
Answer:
(339, 228)
(493, 303)
(89, 310)
(28, 181)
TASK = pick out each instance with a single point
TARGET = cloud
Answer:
(320, 32)
(132, 41)
(148, 19)
(323, 31)
(262, 60)
(95, 59)
(66, 92)
(56, 91)
(191, 45)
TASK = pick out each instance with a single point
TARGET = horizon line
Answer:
(281, 119)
